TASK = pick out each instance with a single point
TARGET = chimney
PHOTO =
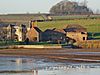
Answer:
(33, 24)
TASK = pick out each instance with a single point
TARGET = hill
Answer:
(92, 25)
(70, 7)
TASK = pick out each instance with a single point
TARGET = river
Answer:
(22, 65)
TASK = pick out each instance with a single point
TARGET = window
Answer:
(83, 38)
(82, 32)
(35, 39)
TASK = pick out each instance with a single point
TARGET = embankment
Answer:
(31, 46)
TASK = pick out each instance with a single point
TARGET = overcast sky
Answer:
(35, 6)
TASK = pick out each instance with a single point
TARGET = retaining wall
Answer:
(33, 46)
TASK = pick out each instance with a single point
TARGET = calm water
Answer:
(36, 66)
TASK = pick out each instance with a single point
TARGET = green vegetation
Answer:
(70, 7)
(92, 25)
(7, 43)
(71, 17)
(94, 35)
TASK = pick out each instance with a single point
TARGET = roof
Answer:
(37, 29)
(75, 28)
(48, 30)
(60, 30)
(52, 31)
(4, 25)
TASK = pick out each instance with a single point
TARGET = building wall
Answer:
(3, 33)
(13, 32)
(32, 35)
(78, 36)
(19, 33)
(9, 32)
(24, 31)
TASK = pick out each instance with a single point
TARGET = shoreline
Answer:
(44, 47)
(62, 55)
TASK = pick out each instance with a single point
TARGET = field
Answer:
(92, 25)
(75, 17)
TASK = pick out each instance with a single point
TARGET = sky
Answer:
(35, 6)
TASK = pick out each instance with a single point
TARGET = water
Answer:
(35, 66)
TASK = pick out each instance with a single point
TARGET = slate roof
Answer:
(60, 30)
(37, 29)
(4, 25)
(75, 28)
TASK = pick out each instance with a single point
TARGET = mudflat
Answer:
(71, 55)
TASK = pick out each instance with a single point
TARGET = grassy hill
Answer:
(71, 17)
(92, 25)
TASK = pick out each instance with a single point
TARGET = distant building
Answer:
(49, 35)
(34, 34)
(54, 36)
(21, 32)
(7, 32)
(76, 32)
(12, 32)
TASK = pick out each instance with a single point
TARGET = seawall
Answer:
(32, 46)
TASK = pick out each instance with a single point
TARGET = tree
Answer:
(67, 7)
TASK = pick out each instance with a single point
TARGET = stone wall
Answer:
(34, 46)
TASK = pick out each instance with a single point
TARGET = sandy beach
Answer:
(71, 55)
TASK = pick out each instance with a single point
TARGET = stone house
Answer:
(34, 34)
(7, 32)
(76, 32)
(12, 32)
(3, 31)
(21, 32)
(49, 35)
(53, 36)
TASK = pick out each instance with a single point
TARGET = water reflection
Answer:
(18, 61)
(35, 72)
(34, 66)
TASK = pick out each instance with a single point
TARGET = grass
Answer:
(94, 35)
(74, 17)
(7, 43)
(92, 25)
(69, 17)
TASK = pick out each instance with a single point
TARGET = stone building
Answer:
(21, 32)
(34, 34)
(54, 36)
(12, 32)
(7, 32)
(76, 32)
